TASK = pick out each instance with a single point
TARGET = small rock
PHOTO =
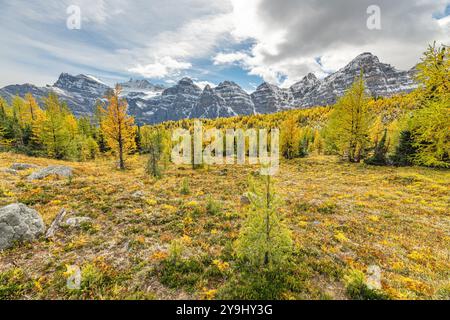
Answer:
(374, 277)
(223, 172)
(23, 166)
(61, 171)
(76, 222)
(19, 223)
(245, 200)
(138, 194)
(10, 171)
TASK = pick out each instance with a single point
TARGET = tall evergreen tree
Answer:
(405, 151)
(153, 143)
(379, 157)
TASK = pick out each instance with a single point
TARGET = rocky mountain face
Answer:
(382, 80)
(269, 98)
(81, 92)
(150, 103)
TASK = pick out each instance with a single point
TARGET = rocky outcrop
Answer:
(60, 171)
(23, 166)
(18, 223)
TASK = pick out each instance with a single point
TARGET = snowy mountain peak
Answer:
(367, 56)
(207, 89)
(308, 80)
(186, 81)
(265, 86)
(228, 84)
(363, 61)
(184, 86)
(141, 86)
(150, 103)
(81, 81)
(310, 77)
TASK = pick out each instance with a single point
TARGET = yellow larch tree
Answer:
(290, 137)
(118, 127)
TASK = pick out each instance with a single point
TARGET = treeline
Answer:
(407, 129)
(51, 131)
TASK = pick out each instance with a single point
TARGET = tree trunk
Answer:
(121, 162)
(266, 255)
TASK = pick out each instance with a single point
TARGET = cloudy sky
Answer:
(246, 41)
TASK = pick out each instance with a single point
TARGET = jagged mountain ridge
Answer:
(150, 103)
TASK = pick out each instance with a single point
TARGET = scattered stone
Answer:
(55, 224)
(23, 166)
(10, 171)
(61, 171)
(76, 222)
(138, 194)
(374, 277)
(223, 172)
(245, 200)
(18, 223)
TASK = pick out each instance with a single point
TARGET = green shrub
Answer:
(213, 207)
(251, 284)
(185, 187)
(355, 284)
(13, 284)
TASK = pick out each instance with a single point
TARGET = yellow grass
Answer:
(343, 216)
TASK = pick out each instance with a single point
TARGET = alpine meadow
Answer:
(93, 205)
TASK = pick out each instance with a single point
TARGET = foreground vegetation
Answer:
(176, 238)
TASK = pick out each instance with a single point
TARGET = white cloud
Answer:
(230, 58)
(445, 23)
(158, 37)
(195, 39)
(203, 84)
(161, 68)
(290, 36)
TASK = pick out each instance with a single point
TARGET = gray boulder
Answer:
(23, 166)
(61, 171)
(19, 223)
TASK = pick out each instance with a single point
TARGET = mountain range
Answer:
(150, 103)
